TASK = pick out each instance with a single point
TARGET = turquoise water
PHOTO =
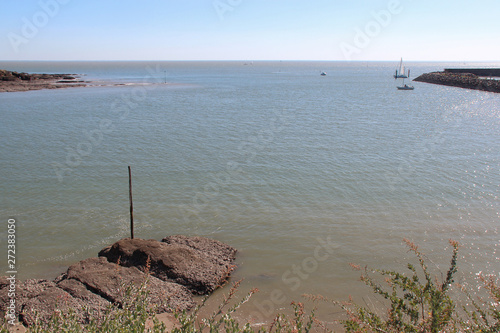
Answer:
(269, 157)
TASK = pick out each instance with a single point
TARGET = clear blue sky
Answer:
(456, 30)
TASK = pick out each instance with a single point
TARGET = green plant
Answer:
(221, 319)
(418, 302)
(485, 313)
(299, 323)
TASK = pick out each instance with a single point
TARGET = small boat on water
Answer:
(323, 74)
(405, 87)
(400, 72)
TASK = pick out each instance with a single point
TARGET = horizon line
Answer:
(238, 60)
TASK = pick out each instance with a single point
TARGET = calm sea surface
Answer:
(302, 173)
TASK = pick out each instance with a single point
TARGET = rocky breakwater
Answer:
(13, 81)
(462, 80)
(175, 268)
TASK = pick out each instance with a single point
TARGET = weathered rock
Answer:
(30, 289)
(4, 282)
(4, 296)
(40, 299)
(197, 263)
(217, 252)
(90, 286)
(462, 80)
(14, 81)
(95, 303)
(51, 301)
(110, 281)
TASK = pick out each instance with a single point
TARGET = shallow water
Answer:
(302, 173)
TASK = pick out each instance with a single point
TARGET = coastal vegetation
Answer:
(416, 301)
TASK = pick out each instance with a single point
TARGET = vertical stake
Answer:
(131, 205)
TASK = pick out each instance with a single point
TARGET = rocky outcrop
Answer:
(200, 264)
(462, 80)
(478, 71)
(110, 281)
(15, 76)
(43, 304)
(171, 270)
(13, 81)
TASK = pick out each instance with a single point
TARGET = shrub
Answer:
(418, 302)
(485, 313)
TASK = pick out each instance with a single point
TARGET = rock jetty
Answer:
(175, 268)
(11, 81)
(462, 80)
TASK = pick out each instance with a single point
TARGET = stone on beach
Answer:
(110, 281)
(199, 263)
(171, 271)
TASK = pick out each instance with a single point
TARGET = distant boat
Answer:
(323, 74)
(405, 86)
(400, 72)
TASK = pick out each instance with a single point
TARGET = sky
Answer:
(364, 30)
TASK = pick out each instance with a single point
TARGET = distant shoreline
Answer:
(16, 82)
(13, 81)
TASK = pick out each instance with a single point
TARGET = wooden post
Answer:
(131, 205)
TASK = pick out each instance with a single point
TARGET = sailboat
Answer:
(400, 72)
(405, 86)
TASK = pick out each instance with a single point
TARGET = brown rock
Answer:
(217, 252)
(40, 299)
(51, 301)
(110, 281)
(197, 263)
(91, 285)
(95, 303)
(462, 80)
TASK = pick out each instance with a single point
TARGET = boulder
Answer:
(51, 301)
(88, 288)
(200, 264)
(94, 302)
(38, 299)
(110, 281)
(169, 270)
(25, 291)
(215, 251)
(462, 80)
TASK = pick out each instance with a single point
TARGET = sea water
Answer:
(302, 173)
